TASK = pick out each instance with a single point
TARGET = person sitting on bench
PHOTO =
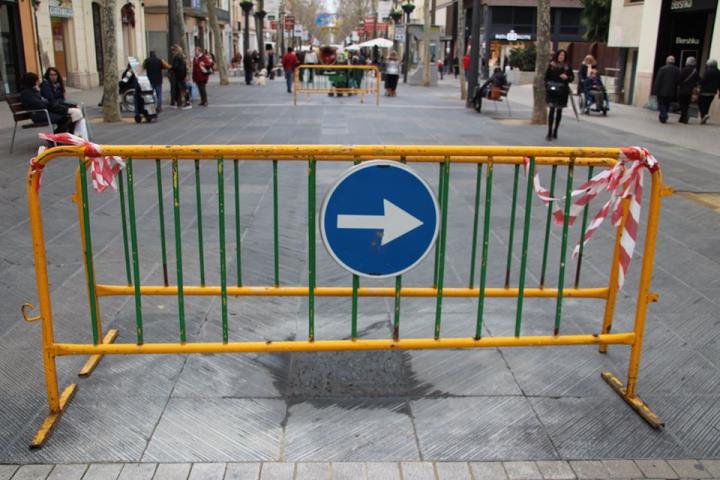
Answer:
(31, 99)
(52, 89)
(492, 88)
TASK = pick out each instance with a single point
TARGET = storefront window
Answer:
(9, 59)
(570, 21)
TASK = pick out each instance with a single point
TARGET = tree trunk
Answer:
(111, 108)
(539, 115)
(460, 51)
(259, 7)
(218, 39)
(426, 45)
(179, 27)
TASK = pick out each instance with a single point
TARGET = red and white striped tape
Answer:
(624, 180)
(103, 169)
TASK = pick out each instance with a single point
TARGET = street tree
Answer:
(426, 44)
(596, 20)
(178, 26)
(217, 38)
(259, 23)
(539, 115)
(460, 49)
(305, 12)
(111, 107)
(350, 13)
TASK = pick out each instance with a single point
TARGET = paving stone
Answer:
(243, 471)
(555, 470)
(382, 471)
(67, 472)
(207, 471)
(277, 471)
(452, 471)
(6, 471)
(33, 472)
(712, 466)
(172, 471)
(622, 469)
(689, 469)
(488, 470)
(522, 471)
(138, 471)
(348, 471)
(417, 471)
(656, 469)
(313, 471)
(103, 471)
(589, 469)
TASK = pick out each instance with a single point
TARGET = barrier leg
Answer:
(629, 392)
(56, 402)
(613, 281)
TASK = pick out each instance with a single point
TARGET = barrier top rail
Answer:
(585, 156)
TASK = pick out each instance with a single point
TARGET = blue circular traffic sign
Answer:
(379, 220)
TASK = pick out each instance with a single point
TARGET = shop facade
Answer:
(648, 31)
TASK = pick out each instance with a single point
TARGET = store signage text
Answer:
(512, 36)
(679, 4)
(58, 10)
(687, 41)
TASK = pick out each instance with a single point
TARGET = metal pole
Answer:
(474, 53)
(406, 53)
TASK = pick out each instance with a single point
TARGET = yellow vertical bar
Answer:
(83, 244)
(43, 288)
(645, 282)
(296, 78)
(377, 86)
(614, 272)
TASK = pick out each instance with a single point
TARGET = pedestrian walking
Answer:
(558, 77)
(289, 63)
(248, 66)
(392, 73)
(441, 68)
(202, 68)
(709, 87)
(689, 79)
(270, 54)
(180, 70)
(665, 87)
(153, 67)
(311, 59)
(466, 65)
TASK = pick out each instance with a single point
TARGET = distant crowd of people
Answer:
(687, 86)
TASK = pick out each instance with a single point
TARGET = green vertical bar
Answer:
(548, 221)
(123, 219)
(486, 244)
(92, 295)
(473, 253)
(524, 254)
(440, 197)
(161, 210)
(178, 249)
(223, 268)
(582, 235)
(134, 250)
(238, 240)
(198, 206)
(512, 226)
(563, 246)
(311, 250)
(396, 322)
(353, 322)
(443, 238)
(276, 235)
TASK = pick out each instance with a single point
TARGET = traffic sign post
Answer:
(379, 220)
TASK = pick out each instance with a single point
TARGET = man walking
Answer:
(665, 86)
(689, 79)
(289, 63)
(153, 66)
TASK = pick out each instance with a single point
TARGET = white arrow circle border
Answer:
(352, 170)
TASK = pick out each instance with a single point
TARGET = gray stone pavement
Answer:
(517, 406)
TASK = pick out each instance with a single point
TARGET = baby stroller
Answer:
(595, 99)
(137, 96)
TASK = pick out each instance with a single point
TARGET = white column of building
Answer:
(646, 51)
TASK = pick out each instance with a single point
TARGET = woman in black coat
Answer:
(709, 87)
(31, 99)
(689, 79)
(558, 77)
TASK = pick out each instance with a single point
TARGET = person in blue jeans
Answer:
(153, 67)
(289, 63)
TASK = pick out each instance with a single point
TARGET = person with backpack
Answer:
(202, 68)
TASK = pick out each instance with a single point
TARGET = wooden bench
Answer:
(497, 94)
(20, 115)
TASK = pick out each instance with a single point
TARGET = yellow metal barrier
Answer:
(337, 80)
(487, 158)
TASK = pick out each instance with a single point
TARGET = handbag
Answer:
(695, 95)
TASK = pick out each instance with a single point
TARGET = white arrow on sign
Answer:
(394, 222)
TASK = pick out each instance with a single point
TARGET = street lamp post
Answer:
(260, 17)
(246, 6)
(396, 16)
(408, 6)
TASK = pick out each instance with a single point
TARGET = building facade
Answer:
(648, 31)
